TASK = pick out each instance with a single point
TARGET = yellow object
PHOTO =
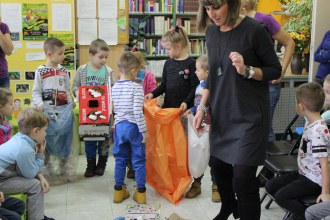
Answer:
(140, 198)
(121, 195)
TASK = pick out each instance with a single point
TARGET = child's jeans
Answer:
(102, 147)
(127, 136)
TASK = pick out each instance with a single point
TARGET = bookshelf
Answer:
(152, 18)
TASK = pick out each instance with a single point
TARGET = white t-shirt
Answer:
(314, 144)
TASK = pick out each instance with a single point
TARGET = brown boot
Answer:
(91, 163)
(120, 195)
(194, 190)
(140, 197)
(101, 164)
(215, 194)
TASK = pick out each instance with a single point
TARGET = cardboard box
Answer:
(142, 212)
(94, 105)
(94, 113)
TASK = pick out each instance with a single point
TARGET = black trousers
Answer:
(238, 188)
(288, 189)
(12, 209)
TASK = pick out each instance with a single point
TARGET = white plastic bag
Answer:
(198, 149)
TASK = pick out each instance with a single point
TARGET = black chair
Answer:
(282, 164)
(278, 148)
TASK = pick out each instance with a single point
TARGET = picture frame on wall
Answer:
(22, 88)
(29, 75)
(14, 75)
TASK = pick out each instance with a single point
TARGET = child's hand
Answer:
(44, 183)
(183, 107)
(188, 112)
(148, 97)
(145, 137)
(41, 147)
(323, 198)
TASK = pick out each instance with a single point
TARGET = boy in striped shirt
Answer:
(130, 129)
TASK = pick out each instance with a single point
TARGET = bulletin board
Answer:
(30, 23)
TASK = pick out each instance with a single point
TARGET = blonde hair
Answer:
(140, 57)
(311, 95)
(4, 94)
(234, 7)
(52, 43)
(127, 62)
(97, 45)
(327, 78)
(31, 118)
(177, 36)
(203, 59)
(249, 4)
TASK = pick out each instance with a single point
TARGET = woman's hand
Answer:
(238, 62)
(198, 119)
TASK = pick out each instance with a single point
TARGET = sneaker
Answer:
(140, 198)
(47, 218)
(194, 190)
(121, 195)
(215, 194)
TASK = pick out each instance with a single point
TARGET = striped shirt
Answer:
(127, 97)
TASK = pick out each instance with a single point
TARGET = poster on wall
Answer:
(35, 21)
(69, 56)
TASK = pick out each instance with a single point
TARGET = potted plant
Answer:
(299, 25)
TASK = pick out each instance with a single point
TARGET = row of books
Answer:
(164, 6)
(158, 25)
(153, 47)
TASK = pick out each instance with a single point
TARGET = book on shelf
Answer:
(190, 6)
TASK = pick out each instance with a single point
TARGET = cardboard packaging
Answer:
(142, 212)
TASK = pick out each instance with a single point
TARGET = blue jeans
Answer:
(127, 136)
(102, 147)
(274, 96)
(5, 82)
(12, 209)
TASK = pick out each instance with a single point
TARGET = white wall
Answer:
(320, 25)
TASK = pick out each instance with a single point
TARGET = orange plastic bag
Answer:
(166, 152)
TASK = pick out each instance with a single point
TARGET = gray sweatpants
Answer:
(318, 211)
(32, 188)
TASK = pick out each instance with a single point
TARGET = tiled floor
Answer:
(91, 198)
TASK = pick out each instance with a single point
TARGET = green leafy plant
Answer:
(139, 35)
(301, 20)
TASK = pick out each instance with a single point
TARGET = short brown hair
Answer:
(311, 95)
(52, 43)
(4, 94)
(203, 59)
(97, 45)
(249, 4)
(31, 118)
(127, 62)
(234, 7)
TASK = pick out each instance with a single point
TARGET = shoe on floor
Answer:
(215, 194)
(47, 218)
(140, 198)
(120, 195)
(130, 174)
(194, 190)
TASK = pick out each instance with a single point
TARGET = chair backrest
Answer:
(288, 129)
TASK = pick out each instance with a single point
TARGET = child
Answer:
(130, 129)
(148, 81)
(96, 72)
(179, 80)
(21, 161)
(6, 109)
(51, 93)
(11, 208)
(202, 68)
(313, 176)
